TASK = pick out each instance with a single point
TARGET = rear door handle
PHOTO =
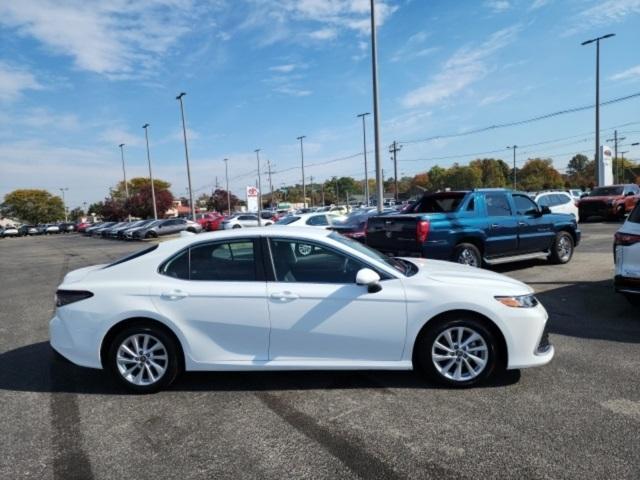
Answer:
(175, 295)
(495, 225)
(522, 224)
(284, 296)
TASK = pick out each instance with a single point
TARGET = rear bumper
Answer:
(626, 284)
(81, 348)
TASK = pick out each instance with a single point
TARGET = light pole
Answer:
(257, 150)
(366, 172)
(64, 203)
(186, 155)
(124, 175)
(514, 148)
(376, 109)
(153, 189)
(304, 190)
(226, 174)
(597, 155)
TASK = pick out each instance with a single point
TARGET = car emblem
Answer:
(388, 234)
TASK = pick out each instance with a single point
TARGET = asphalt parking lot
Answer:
(578, 417)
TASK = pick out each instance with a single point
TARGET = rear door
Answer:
(501, 226)
(535, 231)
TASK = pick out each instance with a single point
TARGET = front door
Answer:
(535, 231)
(216, 293)
(318, 313)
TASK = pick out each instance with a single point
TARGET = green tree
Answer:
(218, 201)
(437, 178)
(494, 173)
(33, 206)
(463, 177)
(539, 174)
(76, 214)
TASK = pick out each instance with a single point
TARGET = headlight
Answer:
(521, 301)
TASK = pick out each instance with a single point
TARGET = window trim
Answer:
(257, 252)
(383, 275)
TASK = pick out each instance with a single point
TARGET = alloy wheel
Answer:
(564, 248)
(467, 257)
(460, 354)
(142, 359)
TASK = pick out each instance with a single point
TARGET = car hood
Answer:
(463, 276)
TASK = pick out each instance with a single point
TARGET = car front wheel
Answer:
(562, 249)
(143, 359)
(458, 352)
(467, 254)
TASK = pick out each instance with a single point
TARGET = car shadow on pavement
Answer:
(37, 368)
(591, 310)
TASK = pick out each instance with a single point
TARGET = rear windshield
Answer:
(634, 216)
(606, 191)
(287, 220)
(133, 255)
(440, 203)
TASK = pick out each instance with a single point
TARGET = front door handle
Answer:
(495, 225)
(522, 224)
(284, 296)
(174, 295)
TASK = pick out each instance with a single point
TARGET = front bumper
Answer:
(627, 284)
(527, 337)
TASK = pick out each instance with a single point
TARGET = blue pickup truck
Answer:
(477, 227)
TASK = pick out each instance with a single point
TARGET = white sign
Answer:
(252, 198)
(605, 168)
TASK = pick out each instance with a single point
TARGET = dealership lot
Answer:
(575, 418)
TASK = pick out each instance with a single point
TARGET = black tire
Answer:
(633, 299)
(562, 248)
(172, 365)
(191, 230)
(151, 234)
(425, 349)
(467, 254)
(237, 226)
(621, 213)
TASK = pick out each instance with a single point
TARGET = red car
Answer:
(613, 201)
(209, 221)
(82, 226)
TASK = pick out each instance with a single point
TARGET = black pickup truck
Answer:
(482, 226)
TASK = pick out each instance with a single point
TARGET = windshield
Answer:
(439, 203)
(287, 220)
(606, 191)
(397, 264)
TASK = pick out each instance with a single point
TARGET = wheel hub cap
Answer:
(142, 359)
(460, 353)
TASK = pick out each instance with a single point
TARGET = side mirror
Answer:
(545, 210)
(370, 279)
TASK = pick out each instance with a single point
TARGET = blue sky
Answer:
(79, 77)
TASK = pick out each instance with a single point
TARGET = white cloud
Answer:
(294, 92)
(41, 118)
(13, 81)
(536, 4)
(117, 135)
(289, 67)
(495, 98)
(463, 68)
(604, 13)
(632, 73)
(414, 48)
(111, 37)
(497, 6)
(324, 34)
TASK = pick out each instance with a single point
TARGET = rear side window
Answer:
(318, 220)
(439, 203)
(497, 205)
(634, 216)
(133, 255)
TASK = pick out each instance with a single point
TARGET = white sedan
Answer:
(626, 249)
(245, 300)
(318, 220)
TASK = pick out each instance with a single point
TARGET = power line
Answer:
(521, 122)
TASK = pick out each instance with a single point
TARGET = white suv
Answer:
(558, 202)
(626, 249)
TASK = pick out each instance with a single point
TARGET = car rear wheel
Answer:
(457, 352)
(143, 358)
(467, 254)
(562, 249)
(151, 234)
(237, 226)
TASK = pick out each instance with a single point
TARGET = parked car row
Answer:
(626, 254)
(140, 229)
(40, 229)
(613, 202)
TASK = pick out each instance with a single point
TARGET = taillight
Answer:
(422, 231)
(625, 239)
(65, 297)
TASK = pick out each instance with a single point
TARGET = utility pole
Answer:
(376, 109)
(186, 154)
(597, 155)
(322, 191)
(226, 174)
(270, 184)
(514, 148)
(394, 148)
(124, 174)
(615, 141)
(304, 190)
(153, 189)
(311, 185)
(364, 151)
(64, 203)
(257, 150)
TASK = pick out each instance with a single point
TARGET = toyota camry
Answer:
(246, 299)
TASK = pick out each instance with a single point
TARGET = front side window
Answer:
(497, 205)
(526, 206)
(562, 199)
(305, 262)
(317, 220)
